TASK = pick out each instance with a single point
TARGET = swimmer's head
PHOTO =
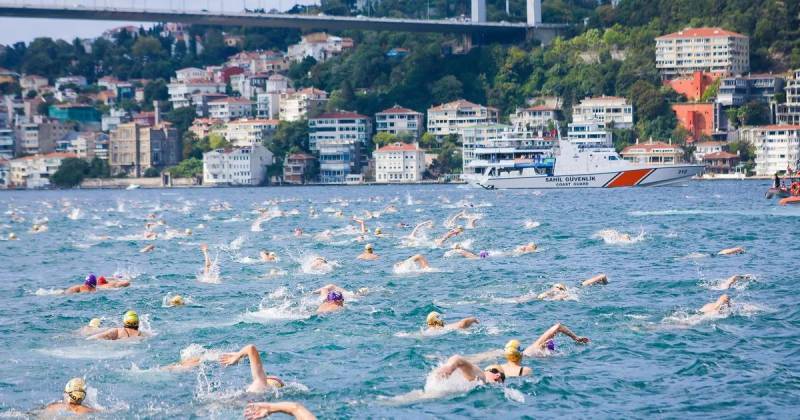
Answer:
(484, 254)
(460, 228)
(12, 236)
(368, 248)
(131, 320)
(95, 323)
(378, 231)
(550, 345)
(335, 296)
(725, 300)
(457, 246)
(90, 281)
(188, 231)
(274, 382)
(560, 287)
(494, 373)
(102, 280)
(513, 354)
(176, 300)
(75, 390)
(434, 319)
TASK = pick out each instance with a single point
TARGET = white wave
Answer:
(248, 260)
(531, 224)
(512, 394)
(435, 387)
(694, 256)
(614, 237)
(279, 308)
(308, 266)
(75, 214)
(213, 274)
(87, 352)
(410, 267)
(48, 292)
(721, 284)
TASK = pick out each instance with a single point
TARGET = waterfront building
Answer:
(698, 119)
(247, 132)
(477, 135)
(711, 50)
(703, 148)
(789, 112)
(534, 118)
(721, 163)
(227, 109)
(340, 126)
(338, 160)
(653, 153)
(610, 111)
(34, 171)
(40, 137)
(134, 148)
(236, 166)
(5, 167)
(777, 147)
(590, 134)
(450, 118)
(399, 163)
(7, 143)
(304, 103)
(297, 168)
(400, 121)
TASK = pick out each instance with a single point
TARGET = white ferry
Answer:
(569, 163)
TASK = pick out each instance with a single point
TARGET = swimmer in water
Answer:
(528, 248)
(320, 264)
(452, 233)
(435, 322)
(150, 235)
(12, 236)
(545, 341)
(74, 394)
(464, 253)
(130, 329)
(557, 292)
(598, 279)
(513, 355)
(298, 232)
(361, 224)
(92, 328)
(102, 283)
(261, 381)
(471, 372)
(148, 248)
(418, 261)
(176, 300)
(206, 259)
(732, 251)
(716, 307)
(414, 232)
(89, 286)
(368, 254)
(378, 232)
(389, 209)
(333, 298)
(268, 256)
(732, 280)
(255, 411)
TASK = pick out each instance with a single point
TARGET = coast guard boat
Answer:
(571, 163)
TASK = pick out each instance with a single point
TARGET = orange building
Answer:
(699, 119)
(694, 86)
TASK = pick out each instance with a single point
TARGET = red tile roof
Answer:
(397, 109)
(399, 147)
(719, 155)
(701, 33)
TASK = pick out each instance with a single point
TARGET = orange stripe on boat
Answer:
(629, 178)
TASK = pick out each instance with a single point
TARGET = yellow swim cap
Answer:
(176, 300)
(368, 247)
(513, 344)
(130, 320)
(378, 231)
(188, 231)
(512, 352)
(95, 323)
(76, 390)
(434, 319)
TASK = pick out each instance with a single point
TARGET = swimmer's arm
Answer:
(260, 410)
(541, 342)
(600, 278)
(469, 370)
(466, 322)
(482, 357)
(105, 335)
(324, 290)
(256, 367)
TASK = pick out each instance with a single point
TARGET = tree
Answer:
(446, 89)
(383, 138)
(217, 141)
(187, 168)
(70, 174)
(288, 136)
(156, 90)
(181, 118)
(98, 168)
(152, 172)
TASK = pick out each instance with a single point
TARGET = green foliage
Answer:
(751, 113)
(70, 174)
(194, 147)
(747, 152)
(217, 141)
(187, 168)
(711, 91)
(181, 119)
(290, 136)
(383, 138)
(152, 172)
(98, 168)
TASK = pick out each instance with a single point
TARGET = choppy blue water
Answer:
(650, 355)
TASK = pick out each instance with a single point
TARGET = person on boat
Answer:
(74, 394)
(471, 371)
(259, 410)
(717, 306)
(777, 181)
(102, 283)
(333, 299)
(434, 321)
(598, 279)
(417, 261)
(557, 292)
(732, 280)
(457, 249)
(513, 355)
(528, 248)
(130, 329)
(368, 254)
(732, 251)
(89, 286)
(268, 256)
(261, 381)
(450, 234)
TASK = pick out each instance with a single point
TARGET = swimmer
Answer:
(545, 341)
(417, 260)
(187, 232)
(598, 279)
(102, 283)
(452, 233)
(333, 298)
(528, 248)
(464, 253)
(148, 248)
(361, 224)
(74, 394)
(89, 286)
(298, 232)
(557, 292)
(207, 260)
(320, 264)
(130, 329)
(378, 232)
(471, 372)
(12, 236)
(38, 228)
(732, 280)
(435, 322)
(414, 232)
(268, 256)
(513, 355)
(177, 300)
(92, 328)
(368, 254)
(261, 381)
(389, 209)
(260, 410)
(150, 235)
(716, 307)
(732, 251)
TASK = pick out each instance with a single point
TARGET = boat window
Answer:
(612, 158)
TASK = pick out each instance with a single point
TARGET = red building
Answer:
(698, 118)
(694, 86)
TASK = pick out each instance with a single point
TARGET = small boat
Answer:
(789, 200)
(784, 187)
(133, 187)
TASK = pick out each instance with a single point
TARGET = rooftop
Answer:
(397, 109)
(54, 155)
(457, 104)
(246, 121)
(720, 155)
(231, 101)
(399, 147)
(701, 33)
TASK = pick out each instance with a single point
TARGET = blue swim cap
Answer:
(484, 254)
(551, 345)
(90, 281)
(334, 296)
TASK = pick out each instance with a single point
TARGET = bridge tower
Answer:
(533, 10)
(478, 11)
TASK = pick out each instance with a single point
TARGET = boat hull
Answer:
(634, 177)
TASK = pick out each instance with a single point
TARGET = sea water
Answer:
(650, 354)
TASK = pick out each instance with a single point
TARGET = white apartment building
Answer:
(35, 171)
(400, 121)
(304, 103)
(338, 160)
(227, 109)
(789, 113)
(180, 93)
(238, 166)
(449, 118)
(476, 135)
(534, 118)
(70, 80)
(339, 127)
(604, 110)
(319, 45)
(190, 73)
(711, 50)
(244, 132)
(399, 162)
(777, 147)
(703, 148)
(86, 145)
(7, 143)
(589, 135)
(32, 82)
(653, 153)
